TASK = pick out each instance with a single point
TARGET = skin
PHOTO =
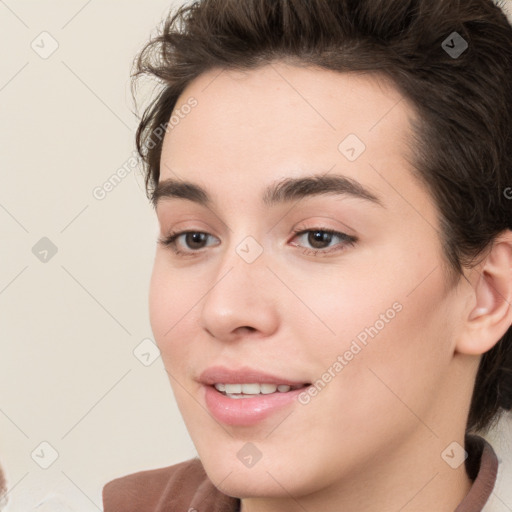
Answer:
(384, 420)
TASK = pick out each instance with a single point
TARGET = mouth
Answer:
(245, 396)
(250, 390)
(246, 405)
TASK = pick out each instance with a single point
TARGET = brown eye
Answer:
(195, 240)
(186, 242)
(319, 240)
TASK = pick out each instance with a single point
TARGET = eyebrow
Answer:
(285, 190)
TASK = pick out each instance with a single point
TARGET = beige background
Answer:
(69, 377)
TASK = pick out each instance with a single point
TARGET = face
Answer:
(324, 285)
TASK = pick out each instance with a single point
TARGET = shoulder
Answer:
(142, 491)
(176, 487)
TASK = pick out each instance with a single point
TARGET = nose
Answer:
(242, 298)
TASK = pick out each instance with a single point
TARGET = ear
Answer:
(489, 313)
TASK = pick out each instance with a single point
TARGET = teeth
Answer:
(233, 388)
(251, 389)
(266, 389)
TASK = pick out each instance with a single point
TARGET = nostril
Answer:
(248, 328)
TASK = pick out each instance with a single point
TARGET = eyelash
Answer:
(348, 240)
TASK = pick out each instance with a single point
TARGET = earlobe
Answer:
(491, 315)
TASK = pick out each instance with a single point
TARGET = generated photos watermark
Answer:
(357, 345)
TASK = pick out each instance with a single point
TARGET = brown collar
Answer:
(482, 468)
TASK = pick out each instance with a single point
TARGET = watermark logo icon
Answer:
(146, 352)
(249, 249)
(44, 455)
(352, 147)
(455, 45)
(454, 455)
(249, 455)
(45, 45)
(44, 250)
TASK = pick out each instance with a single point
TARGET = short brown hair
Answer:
(463, 142)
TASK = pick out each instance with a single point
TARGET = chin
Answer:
(255, 484)
(264, 479)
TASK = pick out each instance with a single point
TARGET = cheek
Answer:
(171, 303)
(354, 301)
(392, 327)
(160, 302)
(404, 360)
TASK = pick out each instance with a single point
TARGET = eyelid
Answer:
(347, 239)
(170, 239)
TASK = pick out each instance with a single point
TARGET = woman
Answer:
(332, 287)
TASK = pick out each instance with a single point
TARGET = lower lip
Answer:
(247, 411)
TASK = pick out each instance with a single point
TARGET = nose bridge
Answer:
(243, 267)
(239, 295)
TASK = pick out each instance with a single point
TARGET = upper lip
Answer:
(243, 375)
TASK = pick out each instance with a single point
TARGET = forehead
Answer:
(249, 128)
(301, 105)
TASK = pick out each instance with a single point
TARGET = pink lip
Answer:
(245, 411)
(243, 375)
